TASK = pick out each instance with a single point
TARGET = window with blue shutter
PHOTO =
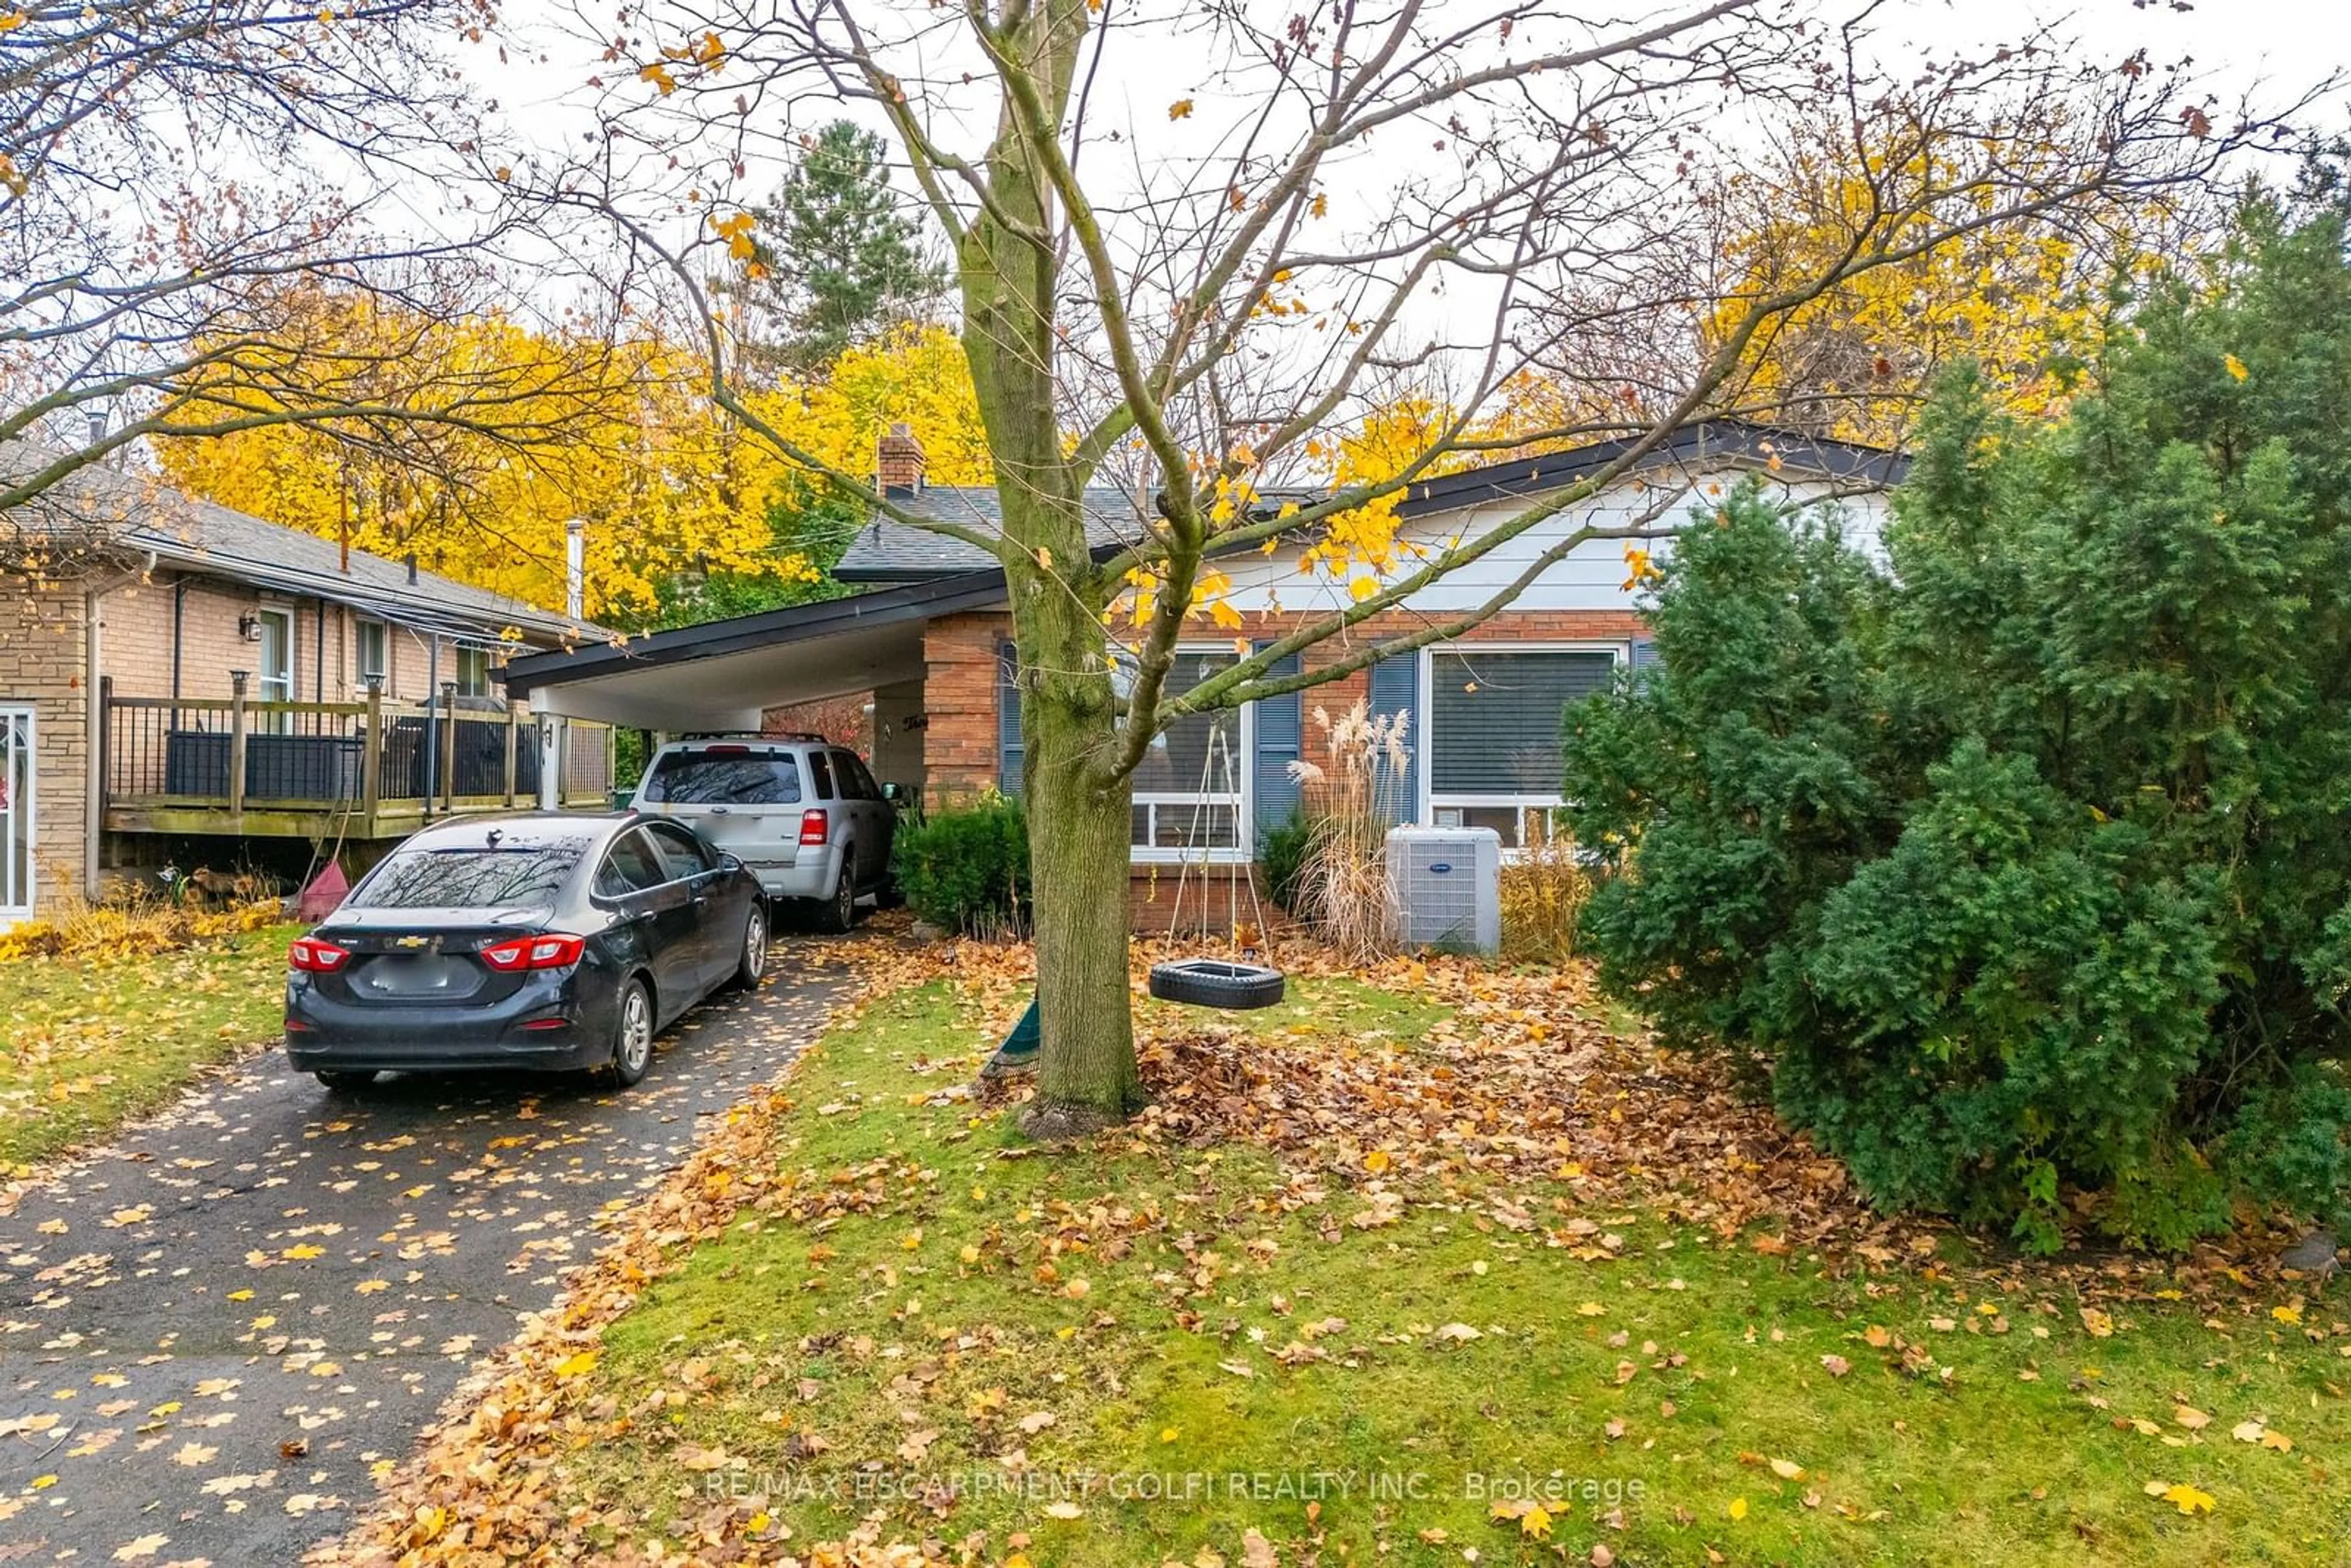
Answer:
(1280, 729)
(1009, 750)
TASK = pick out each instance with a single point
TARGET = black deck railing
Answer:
(235, 765)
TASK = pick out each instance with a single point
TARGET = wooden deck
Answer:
(325, 771)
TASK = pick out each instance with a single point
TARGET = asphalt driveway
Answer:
(214, 1336)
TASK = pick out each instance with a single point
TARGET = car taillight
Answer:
(814, 827)
(555, 951)
(313, 956)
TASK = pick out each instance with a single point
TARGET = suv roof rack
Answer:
(747, 735)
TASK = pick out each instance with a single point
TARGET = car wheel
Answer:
(348, 1082)
(632, 1037)
(752, 961)
(838, 913)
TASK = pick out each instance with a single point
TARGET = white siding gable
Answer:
(1589, 577)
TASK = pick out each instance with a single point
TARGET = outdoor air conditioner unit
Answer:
(1447, 886)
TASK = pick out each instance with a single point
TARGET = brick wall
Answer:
(41, 653)
(959, 693)
(959, 747)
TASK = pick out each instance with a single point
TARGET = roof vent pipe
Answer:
(575, 566)
(411, 567)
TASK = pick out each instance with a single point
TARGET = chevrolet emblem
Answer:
(412, 941)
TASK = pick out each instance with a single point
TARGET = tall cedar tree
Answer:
(2017, 863)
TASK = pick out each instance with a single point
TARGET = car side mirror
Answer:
(894, 793)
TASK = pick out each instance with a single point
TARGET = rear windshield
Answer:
(472, 877)
(723, 778)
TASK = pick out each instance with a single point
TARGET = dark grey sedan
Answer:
(550, 941)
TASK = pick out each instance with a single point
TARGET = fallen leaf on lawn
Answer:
(2187, 1500)
(1787, 1470)
(1601, 1556)
(1837, 1366)
(1064, 1511)
(2247, 1431)
(1377, 1161)
(2190, 1416)
(2100, 1325)
(2286, 1314)
(1257, 1551)
(577, 1365)
(1738, 1507)
(1458, 1332)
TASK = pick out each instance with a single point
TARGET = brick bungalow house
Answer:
(929, 637)
(179, 680)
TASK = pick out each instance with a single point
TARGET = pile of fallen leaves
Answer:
(1522, 1081)
(118, 930)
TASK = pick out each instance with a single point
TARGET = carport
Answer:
(723, 677)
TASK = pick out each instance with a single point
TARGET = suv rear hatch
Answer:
(747, 799)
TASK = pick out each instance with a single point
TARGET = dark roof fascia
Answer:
(1730, 440)
(794, 623)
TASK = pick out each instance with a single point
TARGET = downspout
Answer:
(179, 619)
(432, 725)
(94, 717)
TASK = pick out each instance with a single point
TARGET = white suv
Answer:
(803, 814)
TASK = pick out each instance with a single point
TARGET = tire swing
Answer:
(1234, 984)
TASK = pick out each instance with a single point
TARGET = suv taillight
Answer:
(555, 951)
(815, 828)
(313, 956)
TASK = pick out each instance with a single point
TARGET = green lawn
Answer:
(91, 1042)
(1193, 1355)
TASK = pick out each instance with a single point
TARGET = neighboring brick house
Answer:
(126, 613)
(930, 637)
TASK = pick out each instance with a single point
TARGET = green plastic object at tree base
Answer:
(1019, 1046)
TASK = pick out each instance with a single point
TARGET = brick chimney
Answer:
(898, 460)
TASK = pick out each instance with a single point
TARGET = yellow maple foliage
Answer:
(2023, 301)
(523, 430)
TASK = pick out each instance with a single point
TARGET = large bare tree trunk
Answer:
(1077, 802)
(1078, 837)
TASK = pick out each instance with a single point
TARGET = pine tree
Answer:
(837, 261)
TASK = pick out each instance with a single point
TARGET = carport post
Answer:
(550, 762)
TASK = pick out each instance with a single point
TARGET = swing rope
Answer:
(1218, 750)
